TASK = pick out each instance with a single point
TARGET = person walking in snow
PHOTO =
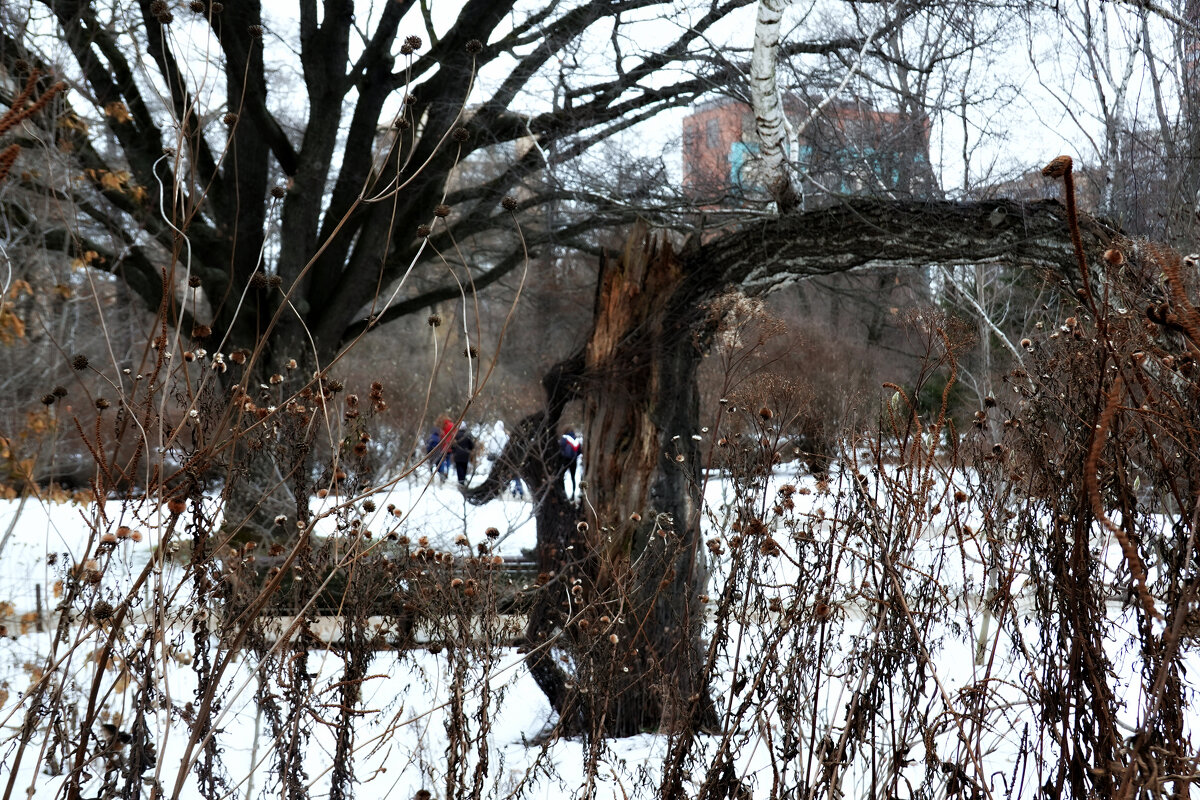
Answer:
(461, 448)
(569, 445)
(438, 446)
(431, 446)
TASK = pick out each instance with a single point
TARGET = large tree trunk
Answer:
(641, 409)
(532, 454)
(280, 415)
(621, 575)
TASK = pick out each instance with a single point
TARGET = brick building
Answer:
(851, 148)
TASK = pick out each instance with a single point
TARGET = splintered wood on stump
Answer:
(641, 407)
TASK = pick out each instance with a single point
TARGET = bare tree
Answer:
(280, 238)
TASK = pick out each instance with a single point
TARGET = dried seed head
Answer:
(460, 135)
(765, 413)
(258, 281)
(197, 6)
(423, 231)
(470, 352)
(278, 192)
(1058, 168)
(492, 533)
(194, 282)
(201, 331)
(217, 8)
(59, 391)
(291, 364)
(401, 124)
(441, 210)
(434, 320)
(101, 404)
(158, 7)
(230, 118)
(79, 362)
(1114, 257)
(474, 47)
(414, 42)
(275, 379)
(256, 31)
(102, 610)
(274, 281)
(509, 203)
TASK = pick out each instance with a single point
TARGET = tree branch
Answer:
(864, 233)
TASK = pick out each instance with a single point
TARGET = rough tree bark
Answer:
(628, 563)
(641, 409)
(532, 453)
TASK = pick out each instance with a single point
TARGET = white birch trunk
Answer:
(767, 100)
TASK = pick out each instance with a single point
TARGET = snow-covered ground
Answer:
(401, 744)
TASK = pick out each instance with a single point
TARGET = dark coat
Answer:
(461, 447)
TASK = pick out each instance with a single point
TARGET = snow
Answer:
(401, 746)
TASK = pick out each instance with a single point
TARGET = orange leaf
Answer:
(117, 110)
